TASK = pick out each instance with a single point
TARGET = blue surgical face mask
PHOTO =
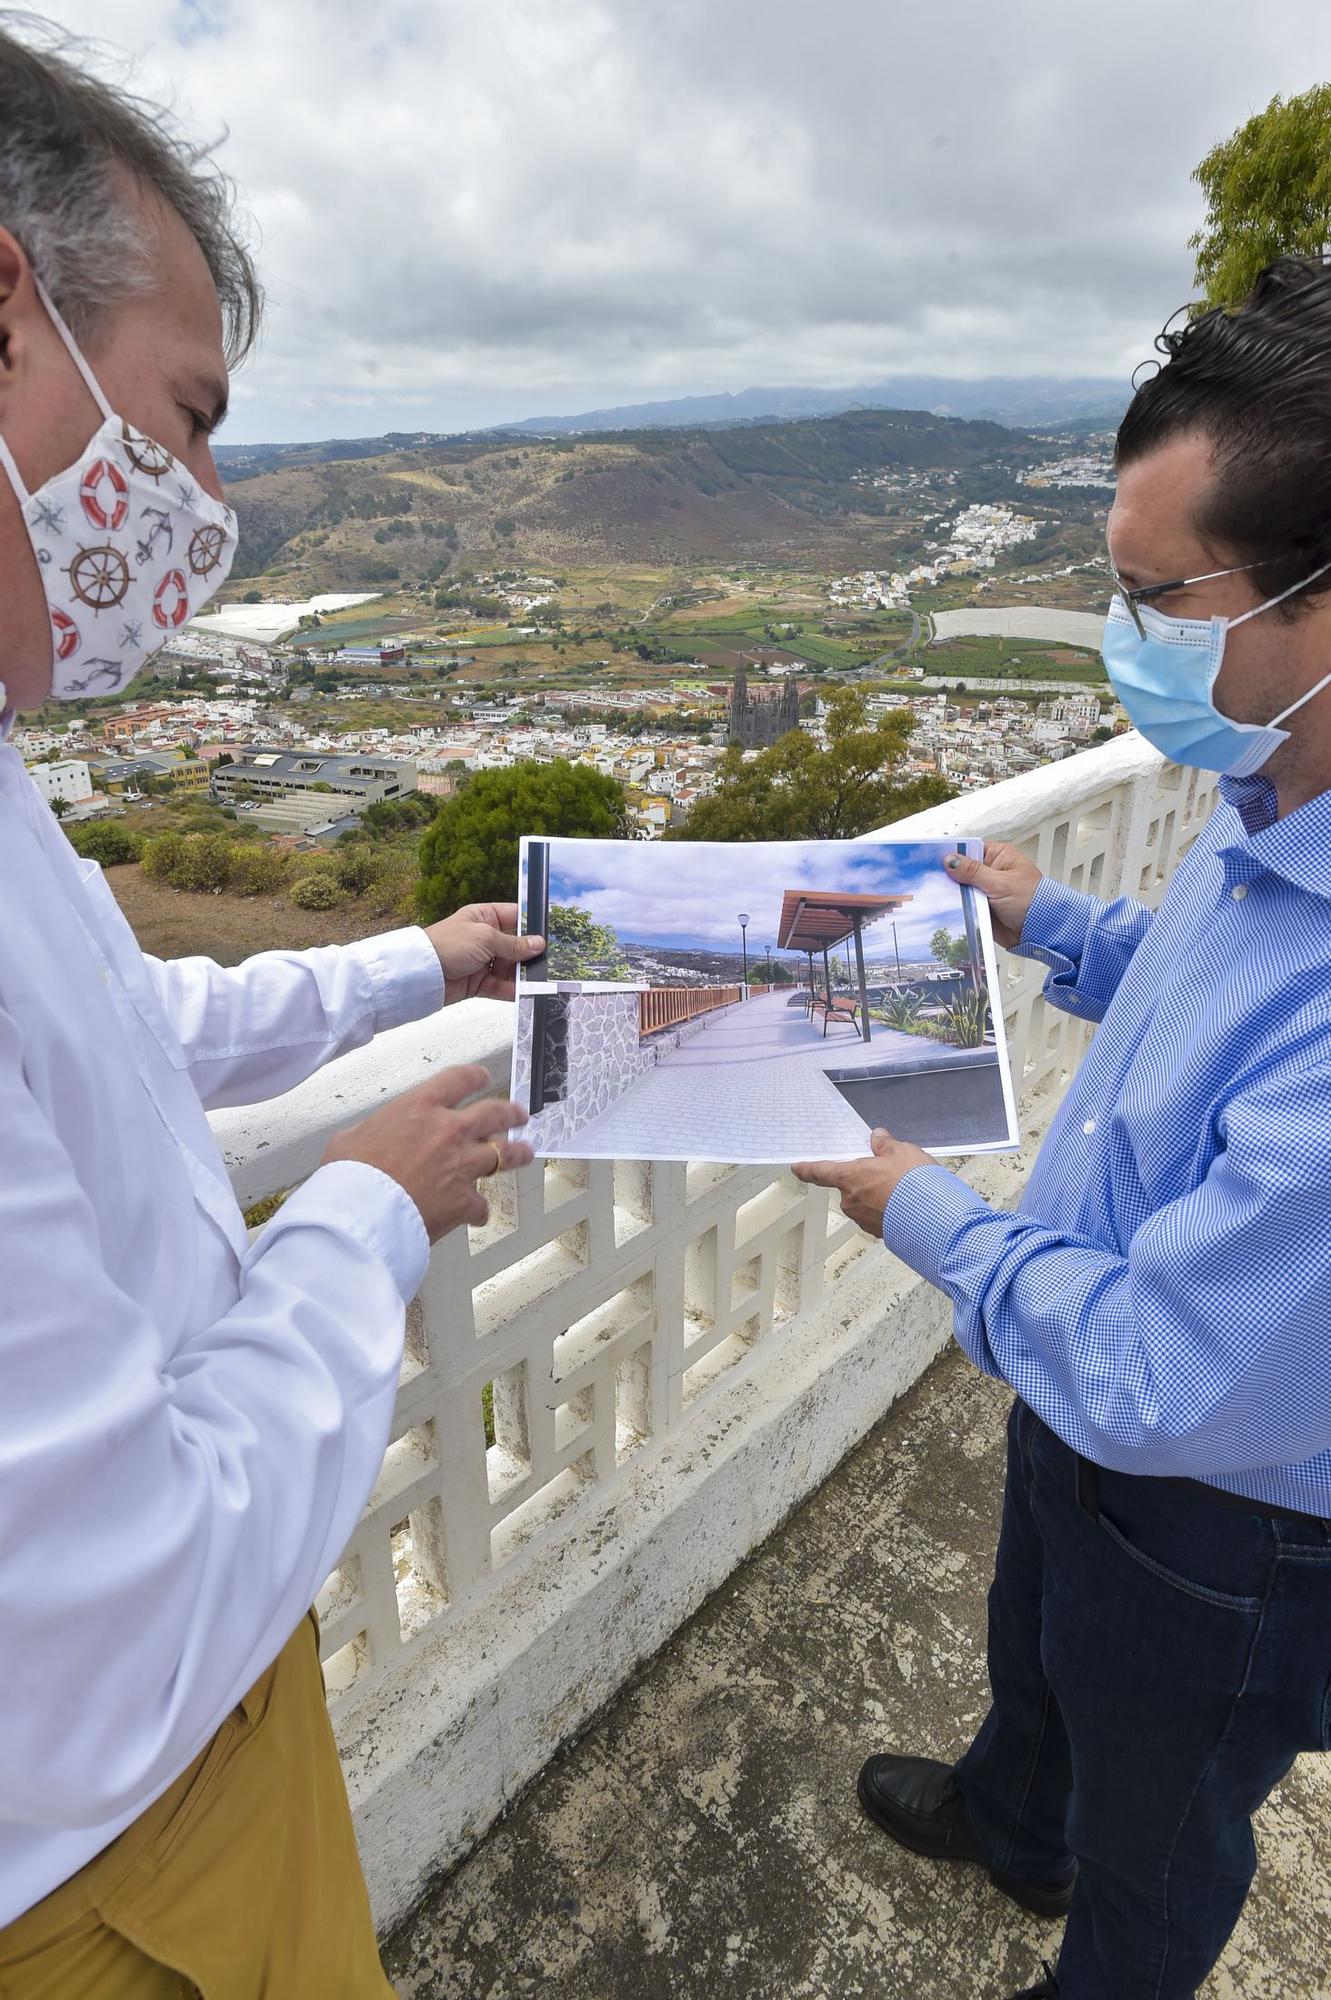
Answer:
(1165, 683)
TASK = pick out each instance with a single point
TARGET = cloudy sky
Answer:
(691, 893)
(478, 210)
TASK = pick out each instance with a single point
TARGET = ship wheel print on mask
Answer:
(153, 460)
(205, 549)
(99, 577)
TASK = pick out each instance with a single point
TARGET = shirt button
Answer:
(1089, 1127)
(1239, 891)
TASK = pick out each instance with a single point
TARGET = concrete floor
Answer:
(754, 1077)
(704, 1835)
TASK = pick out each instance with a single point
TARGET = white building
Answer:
(67, 780)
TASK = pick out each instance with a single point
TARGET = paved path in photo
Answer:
(757, 1067)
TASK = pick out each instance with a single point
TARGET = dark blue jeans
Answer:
(1155, 1672)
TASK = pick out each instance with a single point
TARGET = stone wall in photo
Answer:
(604, 1057)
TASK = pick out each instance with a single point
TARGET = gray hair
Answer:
(63, 131)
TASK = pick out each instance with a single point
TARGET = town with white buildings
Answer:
(978, 538)
(251, 744)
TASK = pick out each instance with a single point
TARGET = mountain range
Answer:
(857, 486)
(1022, 402)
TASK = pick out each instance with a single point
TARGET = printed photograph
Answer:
(770, 1001)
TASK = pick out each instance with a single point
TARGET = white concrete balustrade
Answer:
(676, 1356)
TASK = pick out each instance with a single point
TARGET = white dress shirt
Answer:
(190, 1424)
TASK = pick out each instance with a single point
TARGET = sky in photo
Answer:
(494, 209)
(690, 893)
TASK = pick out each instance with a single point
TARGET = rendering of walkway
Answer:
(703, 1837)
(759, 1067)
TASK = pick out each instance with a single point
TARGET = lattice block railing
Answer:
(603, 1302)
(598, 1306)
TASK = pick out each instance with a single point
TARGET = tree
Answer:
(949, 948)
(580, 948)
(796, 791)
(470, 852)
(1268, 194)
(59, 806)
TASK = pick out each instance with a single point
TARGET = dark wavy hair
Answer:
(1256, 381)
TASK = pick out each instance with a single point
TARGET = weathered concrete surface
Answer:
(704, 1835)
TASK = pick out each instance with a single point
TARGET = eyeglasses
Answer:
(1144, 595)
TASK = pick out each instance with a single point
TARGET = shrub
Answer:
(203, 864)
(105, 840)
(357, 869)
(258, 870)
(318, 890)
(161, 855)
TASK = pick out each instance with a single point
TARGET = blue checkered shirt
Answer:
(1162, 1298)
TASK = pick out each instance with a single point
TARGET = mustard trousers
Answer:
(241, 1882)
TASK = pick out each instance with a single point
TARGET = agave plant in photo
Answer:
(965, 1020)
(902, 1011)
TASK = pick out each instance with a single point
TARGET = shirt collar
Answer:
(1297, 847)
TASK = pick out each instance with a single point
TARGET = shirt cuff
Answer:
(354, 1199)
(927, 1210)
(1057, 926)
(406, 978)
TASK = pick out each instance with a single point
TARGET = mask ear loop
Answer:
(91, 383)
(94, 387)
(1270, 603)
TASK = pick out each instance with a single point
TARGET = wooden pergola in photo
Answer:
(815, 920)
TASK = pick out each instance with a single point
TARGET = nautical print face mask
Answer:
(128, 543)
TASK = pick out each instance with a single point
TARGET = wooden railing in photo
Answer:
(666, 1006)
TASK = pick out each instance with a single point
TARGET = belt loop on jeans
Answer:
(1088, 1487)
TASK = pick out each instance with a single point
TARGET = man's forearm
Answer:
(255, 1030)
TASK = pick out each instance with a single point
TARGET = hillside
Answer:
(763, 491)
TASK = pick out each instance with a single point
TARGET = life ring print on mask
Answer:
(66, 635)
(171, 601)
(101, 530)
(104, 495)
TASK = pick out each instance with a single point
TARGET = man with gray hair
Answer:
(190, 1422)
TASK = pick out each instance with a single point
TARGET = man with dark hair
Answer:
(1160, 1617)
(190, 1422)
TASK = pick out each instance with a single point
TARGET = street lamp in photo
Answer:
(896, 950)
(768, 949)
(744, 946)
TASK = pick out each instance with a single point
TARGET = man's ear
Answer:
(17, 295)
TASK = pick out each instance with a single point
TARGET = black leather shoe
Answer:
(1047, 1989)
(917, 1801)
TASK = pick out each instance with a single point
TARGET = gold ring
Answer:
(498, 1166)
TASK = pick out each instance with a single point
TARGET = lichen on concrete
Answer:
(704, 1834)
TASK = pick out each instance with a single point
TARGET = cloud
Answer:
(498, 207)
(693, 893)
